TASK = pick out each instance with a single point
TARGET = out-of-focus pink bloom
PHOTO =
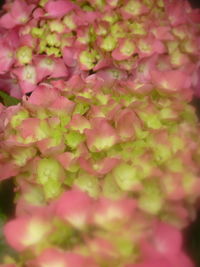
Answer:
(165, 243)
(58, 8)
(132, 9)
(125, 123)
(74, 207)
(25, 231)
(171, 80)
(27, 77)
(9, 85)
(6, 58)
(79, 123)
(18, 14)
(152, 263)
(7, 170)
(109, 212)
(101, 136)
(49, 67)
(74, 259)
(51, 257)
(62, 104)
(43, 96)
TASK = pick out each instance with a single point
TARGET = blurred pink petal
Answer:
(59, 8)
(75, 207)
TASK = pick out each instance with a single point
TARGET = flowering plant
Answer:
(103, 145)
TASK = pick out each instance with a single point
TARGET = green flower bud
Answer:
(43, 130)
(175, 165)
(162, 153)
(17, 119)
(125, 246)
(109, 43)
(88, 59)
(89, 184)
(110, 188)
(73, 139)
(56, 26)
(24, 55)
(151, 200)
(49, 174)
(35, 196)
(53, 51)
(22, 156)
(111, 18)
(48, 169)
(37, 32)
(42, 3)
(81, 108)
(128, 48)
(151, 120)
(69, 21)
(52, 189)
(132, 7)
(117, 31)
(126, 176)
(53, 40)
(137, 28)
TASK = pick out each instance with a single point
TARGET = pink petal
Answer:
(74, 206)
(27, 77)
(6, 58)
(171, 81)
(50, 257)
(102, 136)
(20, 11)
(29, 127)
(8, 170)
(86, 165)
(43, 96)
(70, 56)
(167, 239)
(7, 21)
(65, 159)
(59, 8)
(106, 165)
(25, 231)
(79, 123)
(77, 260)
(62, 104)
(125, 124)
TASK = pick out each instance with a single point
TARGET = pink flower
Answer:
(51, 257)
(27, 77)
(62, 104)
(125, 123)
(10, 86)
(6, 58)
(43, 96)
(75, 207)
(102, 136)
(171, 80)
(7, 170)
(108, 212)
(58, 8)
(166, 242)
(49, 67)
(18, 14)
(25, 231)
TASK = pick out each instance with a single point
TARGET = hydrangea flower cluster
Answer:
(54, 39)
(104, 145)
(77, 230)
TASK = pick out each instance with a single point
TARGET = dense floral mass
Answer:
(104, 145)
